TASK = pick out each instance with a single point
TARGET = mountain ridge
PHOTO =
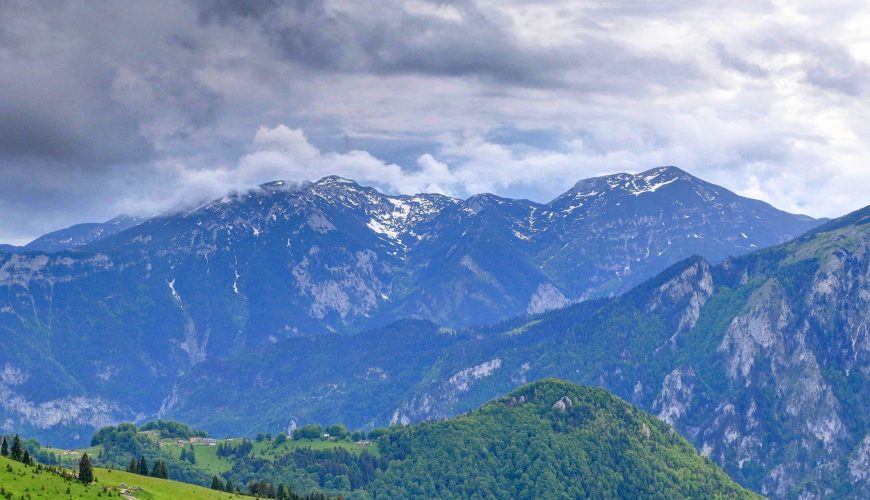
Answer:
(760, 361)
(144, 306)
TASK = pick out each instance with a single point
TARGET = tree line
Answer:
(16, 452)
(264, 489)
(158, 470)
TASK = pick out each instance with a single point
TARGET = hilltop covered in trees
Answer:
(548, 439)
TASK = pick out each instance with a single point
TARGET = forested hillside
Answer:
(548, 439)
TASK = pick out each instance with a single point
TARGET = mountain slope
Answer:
(549, 439)
(22, 481)
(75, 236)
(354, 379)
(624, 229)
(761, 361)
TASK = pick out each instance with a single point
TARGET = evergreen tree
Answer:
(191, 455)
(217, 484)
(133, 467)
(183, 456)
(86, 470)
(26, 460)
(160, 470)
(283, 493)
(142, 467)
(155, 469)
(4, 448)
(230, 488)
(17, 452)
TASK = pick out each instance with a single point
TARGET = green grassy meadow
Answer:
(21, 481)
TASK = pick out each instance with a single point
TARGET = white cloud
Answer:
(766, 98)
(467, 164)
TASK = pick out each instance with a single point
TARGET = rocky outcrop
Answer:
(799, 336)
(563, 404)
(546, 298)
(688, 291)
(675, 398)
(436, 402)
(859, 463)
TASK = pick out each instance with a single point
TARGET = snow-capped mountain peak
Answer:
(648, 181)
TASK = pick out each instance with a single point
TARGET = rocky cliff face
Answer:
(798, 350)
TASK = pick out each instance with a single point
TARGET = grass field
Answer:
(159, 489)
(21, 480)
(206, 457)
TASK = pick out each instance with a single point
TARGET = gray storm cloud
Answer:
(114, 106)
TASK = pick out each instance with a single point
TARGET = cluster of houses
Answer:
(197, 440)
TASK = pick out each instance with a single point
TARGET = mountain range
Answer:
(287, 305)
(75, 236)
(761, 361)
(346, 257)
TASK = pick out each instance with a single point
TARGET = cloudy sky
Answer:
(141, 107)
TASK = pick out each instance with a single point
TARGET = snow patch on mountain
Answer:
(379, 227)
(398, 218)
(172, 290)
(649, 187)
